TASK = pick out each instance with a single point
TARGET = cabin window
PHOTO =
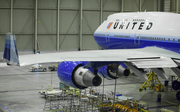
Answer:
(168, 39)
(178, 40)
(173, 40)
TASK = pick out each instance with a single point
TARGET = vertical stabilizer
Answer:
(10, 50)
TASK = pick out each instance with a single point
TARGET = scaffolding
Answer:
(73, 100)
(64, 101)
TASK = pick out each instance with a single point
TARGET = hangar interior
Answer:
(47, 26)
(66, 25)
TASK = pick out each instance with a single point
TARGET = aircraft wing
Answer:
(149, 57)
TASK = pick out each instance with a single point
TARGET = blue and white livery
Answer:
(134, 41)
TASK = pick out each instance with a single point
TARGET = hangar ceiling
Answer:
(50, 25)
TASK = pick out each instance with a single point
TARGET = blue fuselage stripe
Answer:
(131, 41)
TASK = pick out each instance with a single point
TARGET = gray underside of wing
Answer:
(149, 57)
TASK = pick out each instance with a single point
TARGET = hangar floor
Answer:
(19, 90)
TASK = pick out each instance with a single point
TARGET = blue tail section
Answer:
(10, 50)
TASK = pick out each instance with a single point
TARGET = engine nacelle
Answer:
(122, 71)
(113, 71)
(74, 75)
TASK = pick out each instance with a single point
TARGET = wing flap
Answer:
(177, 61)
(161, 62)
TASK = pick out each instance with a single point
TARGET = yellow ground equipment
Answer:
(143, 110)
(123, 107)
(165, 110)
(152, 77)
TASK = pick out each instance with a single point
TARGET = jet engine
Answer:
(113, 71)
(74, 75)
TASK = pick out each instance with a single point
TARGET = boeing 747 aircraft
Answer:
(140, 40)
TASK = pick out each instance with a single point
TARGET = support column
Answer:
(58, 2)
(101, 12)
(80, 25)
(167, 5)
(101, 16)
(122, 5)
(139, 5)
(35, 32)
(177, 6)
(158, 5)
(11, 16)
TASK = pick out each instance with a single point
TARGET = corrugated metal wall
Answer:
(23, 21)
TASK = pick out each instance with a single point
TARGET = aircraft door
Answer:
(107, 37)
(137, 39)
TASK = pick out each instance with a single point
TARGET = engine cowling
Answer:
(113, 71)
(122, 71)
(74, 75)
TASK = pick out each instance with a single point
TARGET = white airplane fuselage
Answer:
(140, 29)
